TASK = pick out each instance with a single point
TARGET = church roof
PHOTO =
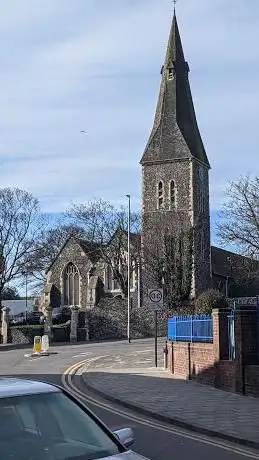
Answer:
(226, 263)
(175, 133)
(91, 249)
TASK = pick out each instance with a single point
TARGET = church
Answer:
(175, 193)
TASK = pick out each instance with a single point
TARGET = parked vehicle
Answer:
(44, 422)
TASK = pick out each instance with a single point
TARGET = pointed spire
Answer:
(175, 133)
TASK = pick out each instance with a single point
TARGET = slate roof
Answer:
(93, 250)
(175, 133)
(226, 263)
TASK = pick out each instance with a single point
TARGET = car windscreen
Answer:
(51, 426)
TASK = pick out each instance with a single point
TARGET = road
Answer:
(158, 441)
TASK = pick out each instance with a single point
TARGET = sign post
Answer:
(155, 297)
(155, 338)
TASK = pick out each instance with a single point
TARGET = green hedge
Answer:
(26, 333)
(208, 300)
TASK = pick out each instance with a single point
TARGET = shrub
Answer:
(26, 333)
(209, 300)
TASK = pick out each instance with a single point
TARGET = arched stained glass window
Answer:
(71, 285)
(160, 195)
(172, 189)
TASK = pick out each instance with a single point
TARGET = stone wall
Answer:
(72, 252)
(192, 208)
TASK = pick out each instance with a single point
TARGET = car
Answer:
(42, 421)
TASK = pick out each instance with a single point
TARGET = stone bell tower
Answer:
(175, 167)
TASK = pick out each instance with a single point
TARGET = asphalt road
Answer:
(154, 440)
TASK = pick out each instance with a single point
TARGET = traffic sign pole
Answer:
(155, 312)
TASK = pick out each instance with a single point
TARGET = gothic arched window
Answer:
(109, 278)
(71, 285)
(160, 195)
(172, 189)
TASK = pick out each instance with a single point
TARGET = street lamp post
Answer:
(128, 328)
(26, 296)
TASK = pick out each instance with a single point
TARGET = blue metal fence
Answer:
(190, 329)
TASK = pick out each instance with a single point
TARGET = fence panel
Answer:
(190, 329)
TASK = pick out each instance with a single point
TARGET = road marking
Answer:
(37, 358)
(83, 354)
(77, 369)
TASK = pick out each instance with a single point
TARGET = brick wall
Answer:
(209, 363)
(192, 360)
(252, 380)
(225, 374)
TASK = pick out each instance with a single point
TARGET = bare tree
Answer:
(106, 226)
(240, 216)
(20, 226)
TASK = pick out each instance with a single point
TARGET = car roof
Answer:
(10, 386)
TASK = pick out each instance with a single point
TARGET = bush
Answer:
(26, 333)
(209, 300)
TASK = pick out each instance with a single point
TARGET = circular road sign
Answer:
(155, 295)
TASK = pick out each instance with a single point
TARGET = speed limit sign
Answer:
(155, 297)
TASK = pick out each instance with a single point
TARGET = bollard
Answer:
(37, 344)
(165, 356)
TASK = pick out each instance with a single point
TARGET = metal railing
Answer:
(190, 329)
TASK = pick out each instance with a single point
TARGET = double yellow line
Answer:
(78, 368)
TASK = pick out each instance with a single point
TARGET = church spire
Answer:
(175, 133)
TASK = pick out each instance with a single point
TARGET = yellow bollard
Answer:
(37, 344)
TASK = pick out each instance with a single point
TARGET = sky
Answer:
(94, 66)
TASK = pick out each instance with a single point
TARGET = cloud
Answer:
(95, 66)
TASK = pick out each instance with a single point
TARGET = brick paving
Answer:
(131, 378)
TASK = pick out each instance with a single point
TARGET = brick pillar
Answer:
(239, 364)
(246, 344)
(248, 317)
(220, 333)
(170, 357)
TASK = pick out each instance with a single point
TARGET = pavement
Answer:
(132, 380)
